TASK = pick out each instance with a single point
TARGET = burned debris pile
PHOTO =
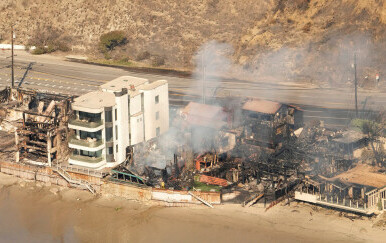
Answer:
(39, 123)
(210, 148)
(256, 150)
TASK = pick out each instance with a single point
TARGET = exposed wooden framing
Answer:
(40, 126)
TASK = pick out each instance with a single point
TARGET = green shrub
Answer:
(39, 50)
(44, 49)
(112, 39)
(366, 126)
(50, 48)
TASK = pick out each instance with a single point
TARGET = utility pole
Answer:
(13, 73)
(356, 84)
(203, 75)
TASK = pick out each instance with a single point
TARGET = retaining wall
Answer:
(176, 196)
(165, 197)
(126, 191)
(44, 174)
(37, 173)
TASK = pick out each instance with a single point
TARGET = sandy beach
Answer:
(34, 212)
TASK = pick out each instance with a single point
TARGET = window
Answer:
(96, 154)
(116, 114)
(108, 116)
(157, 99)
(110, 150)
(116, 132)
(85, 135)
(89, 117)
(157, 131)
(82, 134)
(109, 133)
(116, 148)
(157, 115)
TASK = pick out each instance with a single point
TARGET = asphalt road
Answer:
(54, 74)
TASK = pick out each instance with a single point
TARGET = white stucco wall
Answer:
(151, 108)
(135, 104)
(122, 122)
(136, 129)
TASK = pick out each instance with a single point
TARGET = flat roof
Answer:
(153, 85)
(116, 85)
(363, 174)
(105, 97)
(262, 106)
(94, 100)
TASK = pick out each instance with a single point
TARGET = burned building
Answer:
(42, 135)
(350, 143)
(360, 190)
(268, 123)
(208, 127)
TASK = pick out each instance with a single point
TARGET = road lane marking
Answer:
(72, 77)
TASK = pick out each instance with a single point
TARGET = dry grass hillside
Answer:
(306, 40)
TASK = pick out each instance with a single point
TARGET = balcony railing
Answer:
(85, 123)
(86, 159)
(85, 143)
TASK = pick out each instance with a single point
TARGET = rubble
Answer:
(248, 150)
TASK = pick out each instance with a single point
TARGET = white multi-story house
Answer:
(123, 112)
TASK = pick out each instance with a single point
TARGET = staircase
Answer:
(71, 180)
(201, 200)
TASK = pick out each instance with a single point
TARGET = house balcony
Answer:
(86, 125)
(86, 144)
(87, 161)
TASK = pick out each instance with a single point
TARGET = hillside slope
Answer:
(288, 40)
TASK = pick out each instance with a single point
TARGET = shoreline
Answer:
(57, 212)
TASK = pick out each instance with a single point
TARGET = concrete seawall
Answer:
(111, 189)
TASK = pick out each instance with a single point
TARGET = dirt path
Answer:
(32, 212)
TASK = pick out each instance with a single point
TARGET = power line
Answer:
(356, 84)
(12, 68)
